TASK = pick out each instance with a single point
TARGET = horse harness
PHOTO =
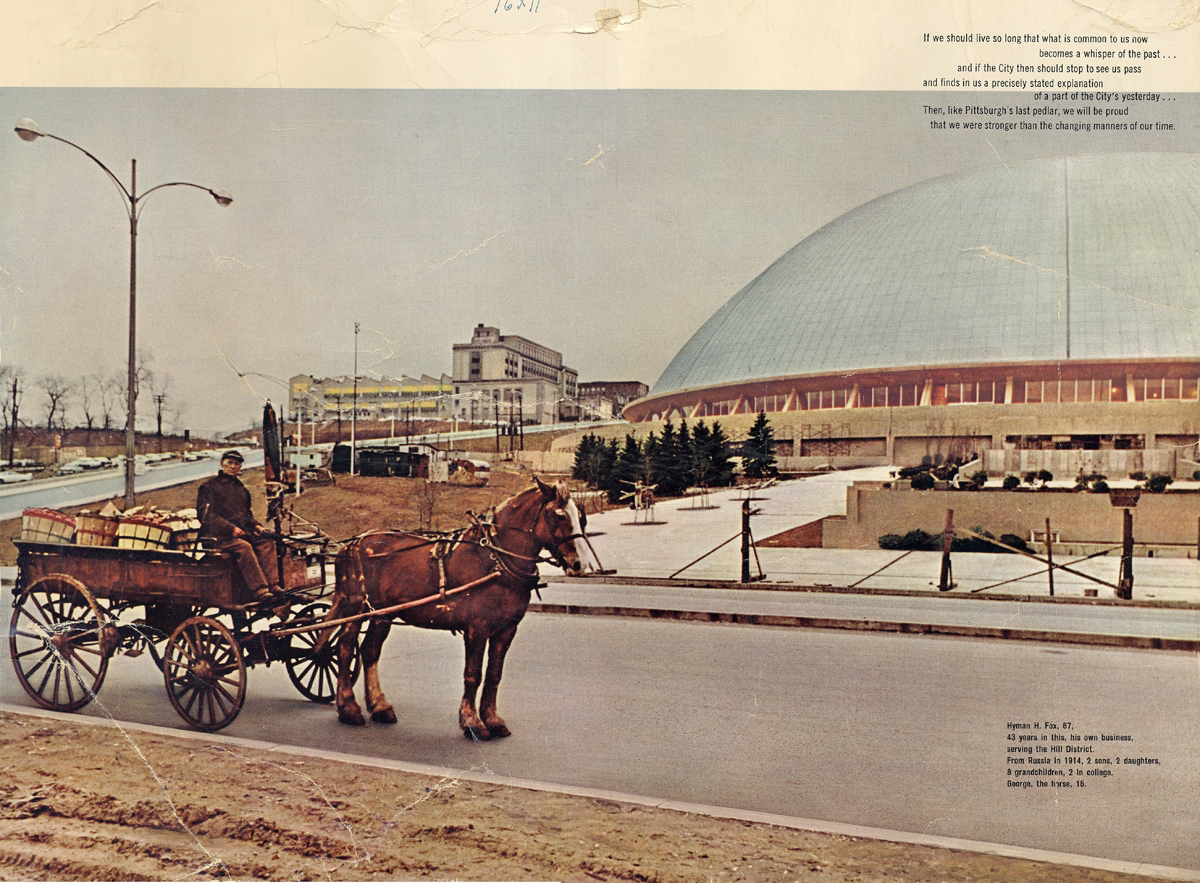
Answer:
(444, 543)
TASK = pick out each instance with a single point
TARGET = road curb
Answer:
(1139, 642)
(961, 595)
(815, 826)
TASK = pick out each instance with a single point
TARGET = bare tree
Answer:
(57, 389)
(112, 394)
(89, 401)
(143, 376)
(12, 388)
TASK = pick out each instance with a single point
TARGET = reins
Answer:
(385, 611)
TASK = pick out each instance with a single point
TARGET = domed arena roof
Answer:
(1082, 257)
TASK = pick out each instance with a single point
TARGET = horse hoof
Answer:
(384, 716)
(477, 734)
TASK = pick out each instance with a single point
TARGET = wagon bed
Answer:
(154, 576)
(75, 606)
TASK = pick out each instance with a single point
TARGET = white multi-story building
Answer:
(505, 377)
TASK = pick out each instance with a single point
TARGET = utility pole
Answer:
(354, 408)
(158, 402)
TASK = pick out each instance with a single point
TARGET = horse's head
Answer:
(559, 528)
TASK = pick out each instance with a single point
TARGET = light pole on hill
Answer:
(28, 130)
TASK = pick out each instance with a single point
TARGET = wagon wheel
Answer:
(59, 643)
(205, 673)
(315, 673)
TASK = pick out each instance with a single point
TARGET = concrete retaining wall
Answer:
(872, 511)
(1066, 465)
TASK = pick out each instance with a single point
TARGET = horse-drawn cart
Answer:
(76, 606)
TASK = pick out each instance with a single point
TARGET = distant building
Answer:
(502, 376)
(601, 399)
(377, 398)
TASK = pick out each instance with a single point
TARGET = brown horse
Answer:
(476, 581)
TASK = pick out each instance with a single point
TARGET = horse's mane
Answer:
(562, 492)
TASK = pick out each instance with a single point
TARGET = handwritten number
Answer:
(531, 5)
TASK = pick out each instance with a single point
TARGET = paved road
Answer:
(901, 732)
(103, 484)
(955, 610)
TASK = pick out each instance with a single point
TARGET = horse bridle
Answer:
(487, 539)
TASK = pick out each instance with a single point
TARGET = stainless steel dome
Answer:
(1080, 258)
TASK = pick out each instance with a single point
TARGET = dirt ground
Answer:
(82, 802)
(95, 803)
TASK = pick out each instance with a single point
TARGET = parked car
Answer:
(83, 463)
(139, 463)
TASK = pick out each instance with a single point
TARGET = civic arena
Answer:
(1052, 305)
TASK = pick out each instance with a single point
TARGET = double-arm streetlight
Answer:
(28, 130)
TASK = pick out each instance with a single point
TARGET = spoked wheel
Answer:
(315, 673)
(205, 673)
(57, 640)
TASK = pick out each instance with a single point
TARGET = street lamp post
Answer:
(28, 130)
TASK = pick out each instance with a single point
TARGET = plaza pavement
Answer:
(644, 557)
(686, 532)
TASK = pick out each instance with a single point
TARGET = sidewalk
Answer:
(687, 532)
(994, 595)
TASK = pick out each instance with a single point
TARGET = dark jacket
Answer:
(223, 503)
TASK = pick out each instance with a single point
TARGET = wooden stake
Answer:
(945, 582)
(1050, 558)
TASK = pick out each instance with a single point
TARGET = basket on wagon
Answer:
(185, 530)
(92, 529)
(46, 526)
(142, 532)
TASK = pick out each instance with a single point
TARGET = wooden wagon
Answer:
(76, 606)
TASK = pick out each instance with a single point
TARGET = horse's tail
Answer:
(349, 591)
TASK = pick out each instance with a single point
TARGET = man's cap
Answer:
(233, 455)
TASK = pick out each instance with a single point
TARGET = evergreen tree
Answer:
(592, 461)
(720, 458)
(627, 470)
(649, 453)
(608, 481)
(583, 458)
(666, 465)
(701, 458)
(758, 451)
(684, 456)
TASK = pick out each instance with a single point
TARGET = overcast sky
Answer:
(607, 225)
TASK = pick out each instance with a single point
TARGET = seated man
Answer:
(227, 524)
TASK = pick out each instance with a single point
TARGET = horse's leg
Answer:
(468, 718)
(372, 646)
(347, 646)
(497, 648)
